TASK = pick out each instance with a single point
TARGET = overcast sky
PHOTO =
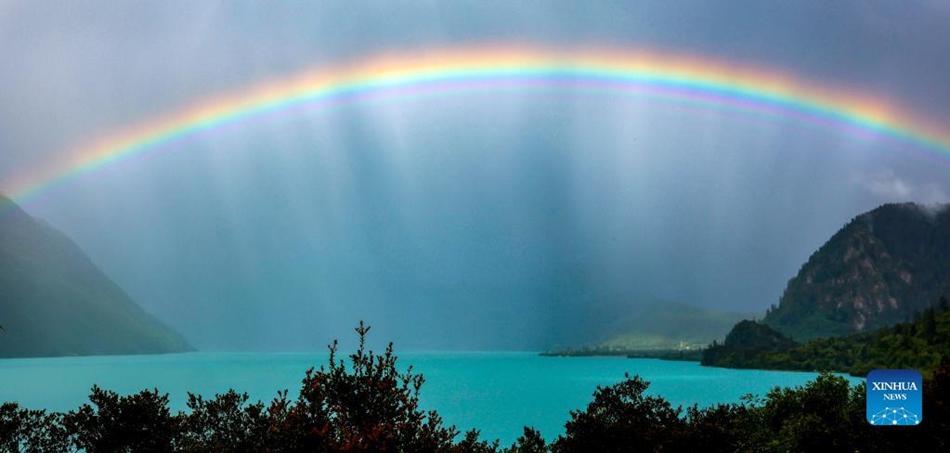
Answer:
(479, 220)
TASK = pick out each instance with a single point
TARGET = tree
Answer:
(25, 430)
(929, 328)
(825, 413)
(224, 423)
(529, 442)
(472, 444)
(135, 423)
(622, 419)
(368, 406)
(722, 428)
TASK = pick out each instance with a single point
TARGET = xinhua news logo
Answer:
(895, 398)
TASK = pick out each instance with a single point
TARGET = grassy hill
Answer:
(661, 326)
(671, 325)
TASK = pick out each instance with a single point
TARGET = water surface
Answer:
(495, 392)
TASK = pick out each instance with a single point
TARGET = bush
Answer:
(622, 419)
(135, 423)
(224, 423)
(24, 430)
(369, 407)
(721, 428)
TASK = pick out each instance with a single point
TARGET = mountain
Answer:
(921, 344)
(879, 269)
(55, 302)
(747, 341)
(659, 326)
(670, 325)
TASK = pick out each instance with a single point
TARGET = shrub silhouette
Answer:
(25, 430)
(622, 419)
(224, 423)
(369, 407)
(529, 442)
(724, 428)
(135, 423)
(364, 403)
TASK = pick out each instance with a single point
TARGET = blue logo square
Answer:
(895, 398)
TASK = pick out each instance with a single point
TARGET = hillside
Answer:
(878, 270)
(920, 344)
(56, 302)
(670, 325)
(744, 344)
(661, 326)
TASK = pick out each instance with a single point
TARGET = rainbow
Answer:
(681, 78)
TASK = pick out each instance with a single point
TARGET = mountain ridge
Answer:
(879, 269)
(57, 302)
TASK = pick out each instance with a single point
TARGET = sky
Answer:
(477, 219)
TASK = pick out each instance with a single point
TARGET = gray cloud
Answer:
(890, 187)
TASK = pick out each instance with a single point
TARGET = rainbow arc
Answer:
(680, 78)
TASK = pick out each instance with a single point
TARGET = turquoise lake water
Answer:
(496, 392)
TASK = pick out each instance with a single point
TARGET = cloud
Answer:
(888, 186)
(932, 194)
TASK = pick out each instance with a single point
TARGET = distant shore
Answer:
(688, 355)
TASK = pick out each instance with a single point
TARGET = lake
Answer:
(495, 392)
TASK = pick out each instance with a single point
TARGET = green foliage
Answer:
(876, 271)
(826, 414)
(722, 428)
(746, 341)
(819, 416)
(752, 334)
(917, 345)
